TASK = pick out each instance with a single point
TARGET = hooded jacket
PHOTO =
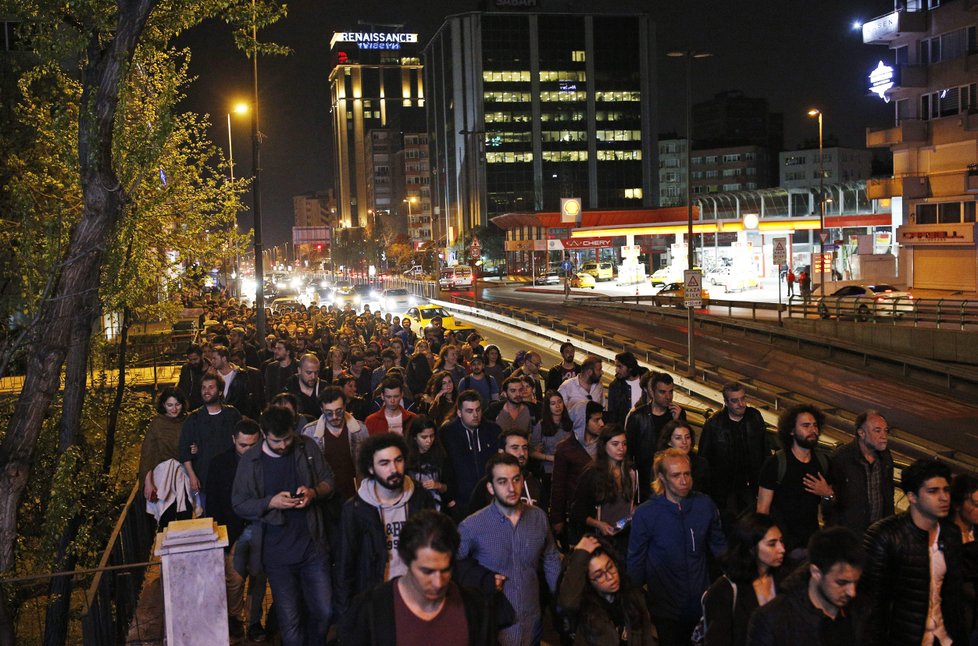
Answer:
(363, 552)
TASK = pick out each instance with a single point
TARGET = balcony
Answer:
(910, 131)
(889, 27)
(912, 187)
(971, 180)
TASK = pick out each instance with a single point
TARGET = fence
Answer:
(104, 597)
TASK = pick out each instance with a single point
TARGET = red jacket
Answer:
(377, 422)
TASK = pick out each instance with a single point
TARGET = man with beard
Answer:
(817, 613)
(281, 484)
(190, 376)
(793, 481)
(280, 369)
(586, 386)
(862, 475)
(372, 520)
(516, 443)
(510, 412)
(306, 385)
(209, 429)
(512, 540)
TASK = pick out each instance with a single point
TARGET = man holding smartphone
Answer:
(281, 483)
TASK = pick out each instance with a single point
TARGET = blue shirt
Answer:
(517, 553)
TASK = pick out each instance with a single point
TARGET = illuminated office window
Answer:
(578, 56)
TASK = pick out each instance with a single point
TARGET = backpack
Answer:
(698, 638)
(823, 463)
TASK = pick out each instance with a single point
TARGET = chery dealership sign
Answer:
(579, 243)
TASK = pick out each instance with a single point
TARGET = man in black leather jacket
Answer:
(733, 443)
(903, 552)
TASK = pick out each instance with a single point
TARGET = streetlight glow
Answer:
(241, 108)
(816, 113)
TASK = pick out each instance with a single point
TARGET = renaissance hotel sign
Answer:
(373, 39)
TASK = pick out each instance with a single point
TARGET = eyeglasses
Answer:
(607, 574)
(333, 413)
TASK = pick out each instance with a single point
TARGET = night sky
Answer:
(795, 53)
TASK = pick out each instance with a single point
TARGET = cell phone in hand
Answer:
(295, 494)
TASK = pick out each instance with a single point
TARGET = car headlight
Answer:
(356, 299)
(323, 284)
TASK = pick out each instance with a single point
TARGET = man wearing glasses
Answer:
(338, 435)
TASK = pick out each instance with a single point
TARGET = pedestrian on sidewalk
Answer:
(790, 278)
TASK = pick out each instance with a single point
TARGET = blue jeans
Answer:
(307, 582)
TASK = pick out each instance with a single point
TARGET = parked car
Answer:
(603, 270)
(678, 290)
(452, 278)
(866, 301)
(546, 276)
(416, 272)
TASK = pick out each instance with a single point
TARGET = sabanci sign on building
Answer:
(373, 39)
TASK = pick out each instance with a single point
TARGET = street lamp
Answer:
(815, 112)
(239, 108)
(690, 56)
(256, 184)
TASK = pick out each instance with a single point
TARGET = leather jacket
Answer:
(849, 483)
(717, 447)
(896, 582)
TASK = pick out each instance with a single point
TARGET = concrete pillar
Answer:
(194, 595)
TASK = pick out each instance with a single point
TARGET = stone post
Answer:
(194, 594)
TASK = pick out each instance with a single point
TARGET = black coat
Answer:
(791, 620)
(716, 446)
(896, 582)
(619, 401)
(370, 621)
(850, 507)
(220, 482)
(362, 553)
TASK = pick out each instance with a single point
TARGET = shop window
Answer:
(926, 214)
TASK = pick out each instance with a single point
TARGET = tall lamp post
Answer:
(690, 56)
(256, 186)
(815, 112)
(239, 108)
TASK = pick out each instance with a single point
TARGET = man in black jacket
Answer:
(645, 422)
(914, 572)
(372, 521)
(733, 444)
(862, 476)
(625, 391)
(423, 604)
(818, 609)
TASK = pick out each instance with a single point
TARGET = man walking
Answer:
(586, 385)
(469, 441)
(565, 369)
(733, 443)
(861, 472)
(625, 391)
(914, 569)
(512, 540)
(280, 484)
(511, 413)
(305, 385)
(793, 481)
(392, 417)
(671, 534)
(645, 422)
(372, 520)
(280, 369)
(209, 429)
(817, 612)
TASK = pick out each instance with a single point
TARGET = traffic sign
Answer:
(780, 255)
(566, 266)
(693, 292)
(823, 236)
(475, 249)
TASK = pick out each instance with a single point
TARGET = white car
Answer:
(865, 302)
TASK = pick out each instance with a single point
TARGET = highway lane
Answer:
(932, 413)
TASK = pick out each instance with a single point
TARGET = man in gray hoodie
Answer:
(372, 520)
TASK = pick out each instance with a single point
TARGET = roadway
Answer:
(938, 415)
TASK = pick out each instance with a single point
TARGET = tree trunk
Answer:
(59, 588)
(106, 65)
(120, 390)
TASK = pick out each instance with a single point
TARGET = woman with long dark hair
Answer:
(427, 463)
(419, 368)
(438, 399)
(751, 571)
(495, 365)
(555, 424)
(602, 604)
(607, 492)
(678, 434)
(162, 443)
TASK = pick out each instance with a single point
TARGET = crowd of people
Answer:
(397, 485)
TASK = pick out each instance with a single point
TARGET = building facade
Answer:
(525, 108)
(800, 168)
(314, 209)
(930, 76)
(734, 168)
(672, 172)
(375, 84)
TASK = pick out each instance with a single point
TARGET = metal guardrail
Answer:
(712, 377)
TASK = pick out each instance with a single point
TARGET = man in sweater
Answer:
(392, 417)
(209, 429)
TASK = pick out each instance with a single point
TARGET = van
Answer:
(603, 270)
(452, 278)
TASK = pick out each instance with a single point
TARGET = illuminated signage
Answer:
(936, 234)
(586, 243)
(882, 27)
(373, 39)
(881, 80)
(570, 209)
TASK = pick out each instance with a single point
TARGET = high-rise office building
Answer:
(375, 84)
(525, 108)
(930, 78)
